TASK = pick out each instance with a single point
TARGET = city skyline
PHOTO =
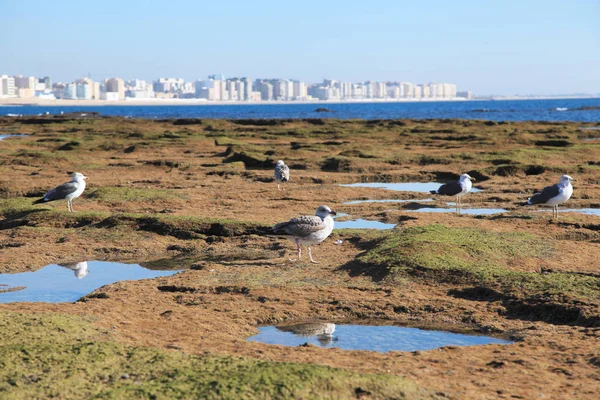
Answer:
(542, 47)
(218, 88)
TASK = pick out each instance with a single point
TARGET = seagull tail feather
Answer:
(433, 192)
(39, 201)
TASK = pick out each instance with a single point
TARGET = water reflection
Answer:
(80, 269)
(470, 211)
(2, 137)
(380, 338)
(55, 282)
(422, 187)
(362, 224)
(323, 331)
(386, 201)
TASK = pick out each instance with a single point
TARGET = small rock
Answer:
(125, 376)
(339, 241)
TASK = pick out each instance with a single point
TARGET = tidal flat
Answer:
(198, 196)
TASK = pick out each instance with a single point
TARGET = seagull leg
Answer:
(69, 206)
(310, 256)
(299, 253)
(278, 188)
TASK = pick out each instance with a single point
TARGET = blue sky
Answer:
(488, 47)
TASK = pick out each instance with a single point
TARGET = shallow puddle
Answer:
(68, 282)
(586, 211)
(380, 338)
(2, 137)
(386, 201)
(469, 211)
(422, 187)
(362, 224)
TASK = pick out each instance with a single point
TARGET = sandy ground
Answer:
(241, 282)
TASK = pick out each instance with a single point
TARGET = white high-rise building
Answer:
(407, 90)
(115, 85)
(7, 86)
(300, 90)
(71, 91)
(83, 91)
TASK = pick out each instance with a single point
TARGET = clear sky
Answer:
(486, 46)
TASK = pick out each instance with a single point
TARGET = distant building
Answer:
(83, 91)
(93, 90)
(407, 90)
(25, 82)
(115, 85)
(464, 95)
(110, 96)
(70, 91)
(7, 86)
(44, 83)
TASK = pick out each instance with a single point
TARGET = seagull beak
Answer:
(332, 212)
(473, 179)
(85, 177)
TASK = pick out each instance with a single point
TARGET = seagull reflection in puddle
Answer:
(80, 269)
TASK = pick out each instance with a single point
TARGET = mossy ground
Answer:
(56, 355)
(203, 189)
(475, 256)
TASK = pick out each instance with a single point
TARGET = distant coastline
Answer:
(199, 102)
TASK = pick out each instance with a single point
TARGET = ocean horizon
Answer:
(564, 109)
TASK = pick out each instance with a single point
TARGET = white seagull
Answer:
(282, 173)
(307, 229)
(458, 189)
(67, 191)
(554, 195)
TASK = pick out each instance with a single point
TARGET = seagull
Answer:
(80, 269)
(458, 189)
(308, 229)
(554, 195)
(282, 173)
(67, 191)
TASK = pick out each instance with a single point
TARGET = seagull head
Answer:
(280, 162)
(79, 177)
(324, 211)
(465, 177)
(566, 179)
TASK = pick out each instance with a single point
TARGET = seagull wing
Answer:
(301, 226)
(546, 194)
(282, 173)
(450, 189)
(62, 191)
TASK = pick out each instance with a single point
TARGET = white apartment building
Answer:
(7, 86)
(83, 91)
(300, 90)
(70, 91)
(407, 90)
(115, 85)
(25, 82)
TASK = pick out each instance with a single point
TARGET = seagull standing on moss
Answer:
(307, 229)
(67, 191)
(282, 173)
(458, 189)
(554, 195)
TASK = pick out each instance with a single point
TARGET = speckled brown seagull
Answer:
(307, 229)
(282, 173)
